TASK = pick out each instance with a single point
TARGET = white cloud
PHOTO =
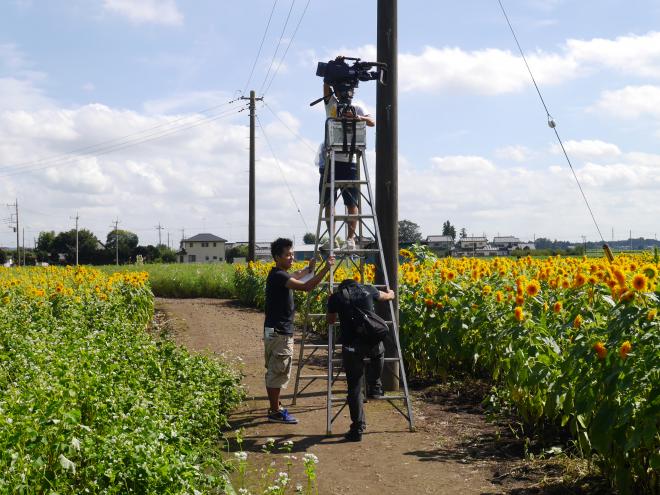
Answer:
(589, 148)
(516, 153)
(630, 102)
(458, 165)
(146, 11)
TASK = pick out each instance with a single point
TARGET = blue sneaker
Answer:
(281, 416)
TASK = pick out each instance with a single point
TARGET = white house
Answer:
(506, 242)
(440, 242)
(202, 248)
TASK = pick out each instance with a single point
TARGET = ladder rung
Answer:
(320, 346)
(341, 376)
(346, 182)
(348, 217)
(356, 251)
(384, 397)
(368, 360)
(316, 315)
(377, 286)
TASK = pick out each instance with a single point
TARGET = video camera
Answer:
(344, 78)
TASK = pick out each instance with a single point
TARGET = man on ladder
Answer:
(356, 347)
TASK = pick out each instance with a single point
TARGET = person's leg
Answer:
(354, 369)
(279, 354)
(274, 397)
(350, 195)
(375, 371)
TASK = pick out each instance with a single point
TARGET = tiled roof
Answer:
(205, 238)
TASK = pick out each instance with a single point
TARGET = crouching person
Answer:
(351, 302)
(278, 325)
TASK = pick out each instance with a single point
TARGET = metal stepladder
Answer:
(347, 136)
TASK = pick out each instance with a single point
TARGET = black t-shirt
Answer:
(280, 310)
(336, 304)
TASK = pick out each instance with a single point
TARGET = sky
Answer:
(126, 110)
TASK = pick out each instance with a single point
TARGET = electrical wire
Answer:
(263, 131)
(302, 140)
(90, 148)
(256, 59)
(277, 47)
(122, 145)
(551, 122)
(287, 48)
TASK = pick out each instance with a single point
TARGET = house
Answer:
(261, 250)
(202, 248)
(506, 242)
(471, 243)
(440, 243)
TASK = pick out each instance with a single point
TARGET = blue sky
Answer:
(473, 140)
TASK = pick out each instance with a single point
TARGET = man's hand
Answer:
(330, 261)
(312, 264)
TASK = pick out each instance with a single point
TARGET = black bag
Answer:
(367, 325)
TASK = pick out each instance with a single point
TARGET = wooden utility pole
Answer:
(159, 227)
(116, 242)
(387, 188)
(251, 208)
(76, 218)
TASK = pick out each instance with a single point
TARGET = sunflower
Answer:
(577, 322)
(600, 349)
(556, 307)
(518, 313)
(650, 271)
(533, 288)
(625, 349)
(639, 282)
(579, 280)
(651, 314)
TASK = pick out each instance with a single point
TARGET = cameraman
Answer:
(354, 351)
(344, 169)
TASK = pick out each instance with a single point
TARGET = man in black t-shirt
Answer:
(354, 351)
(278, 325)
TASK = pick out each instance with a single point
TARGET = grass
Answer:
(187, 280)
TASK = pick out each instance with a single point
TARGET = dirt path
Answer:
(454, 450)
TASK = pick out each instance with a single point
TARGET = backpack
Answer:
(367, 325)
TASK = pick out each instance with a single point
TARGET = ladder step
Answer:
(356, 251)
(368, 360)
(348, 217)
(342, 376)
(316, 315)
(320, 346)
(384, 397)
(346, 182)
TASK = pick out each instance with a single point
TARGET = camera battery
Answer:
(338, 132)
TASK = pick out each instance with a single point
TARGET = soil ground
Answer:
(453, 450)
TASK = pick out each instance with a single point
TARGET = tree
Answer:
(237, 252)
(449, 229)
(3, 257)
(45, 245)
(463, 233)
(128, 242)
(65, 243)
(309, 238)
(409, 231)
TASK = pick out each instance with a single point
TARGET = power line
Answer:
(92, 147)
(256, 59)
(551, 122)
(277, 47)
(282, 172)
(124, 145)
(302, 140)
(287, 48)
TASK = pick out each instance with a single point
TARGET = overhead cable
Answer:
(551, 122)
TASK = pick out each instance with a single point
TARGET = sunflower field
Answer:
(569, 341)
(90, 402)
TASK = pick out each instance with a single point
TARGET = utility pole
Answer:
(387, 165)
(631, 248)
(584, 244)
(116, 242)
(168, 240)
(159, 227)
(15, 227)
(251, 208)
(76, 218)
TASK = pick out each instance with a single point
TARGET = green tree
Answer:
(127, 241)
(449, 229)
(309, 238)
(409, 231)
(45, 246)
(237, 252)
(88, 247)
(463, 233)
(3, 257)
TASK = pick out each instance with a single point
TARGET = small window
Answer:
(214, 244)
(190, 244)
(207, 258)
(192, 258)
(205, 244)
(215, 257)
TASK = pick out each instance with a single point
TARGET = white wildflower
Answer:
(299, 488)
(67, 464)
(75, 443)
(310, 458)
(243, 491)
(283, 478)
(241, 456)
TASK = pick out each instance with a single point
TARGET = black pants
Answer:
(353, 360)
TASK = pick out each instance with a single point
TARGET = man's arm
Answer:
(295, 284)
(327, 93)
(386, 296)
(331, 318)
(305, 271)
(368, 119)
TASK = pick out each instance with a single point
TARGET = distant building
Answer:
(202, 248)
(440, 243)
(261, 250)
(530, 246)
(507, 242)
(303, 252)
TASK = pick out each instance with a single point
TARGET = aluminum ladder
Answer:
(338, 135)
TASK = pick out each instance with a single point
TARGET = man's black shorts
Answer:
(343, 171)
